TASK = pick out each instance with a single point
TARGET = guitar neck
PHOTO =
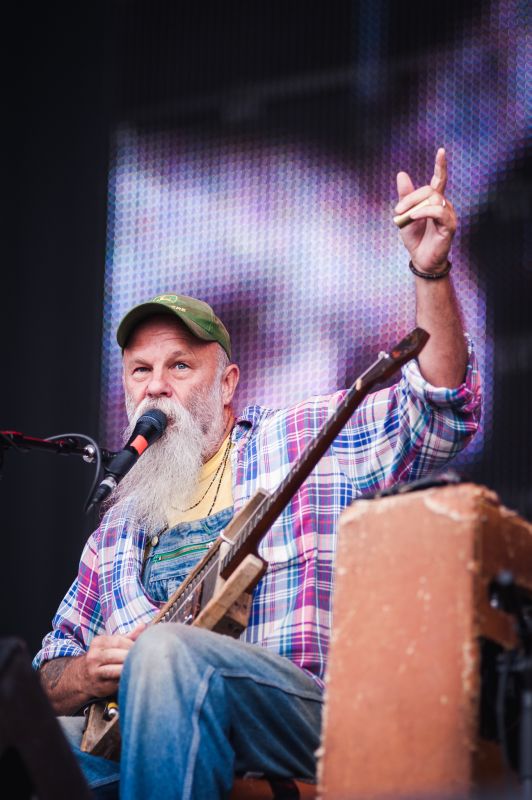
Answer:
(271, 509)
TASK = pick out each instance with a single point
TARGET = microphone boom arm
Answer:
(65, 444)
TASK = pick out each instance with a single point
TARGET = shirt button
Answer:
(155, 541)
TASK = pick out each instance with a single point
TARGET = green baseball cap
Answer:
(197, 315)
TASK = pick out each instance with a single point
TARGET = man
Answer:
(197, 707)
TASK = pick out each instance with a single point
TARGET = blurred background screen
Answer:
(273, 200)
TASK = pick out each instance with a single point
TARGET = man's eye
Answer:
(139, 369)
(180, 365)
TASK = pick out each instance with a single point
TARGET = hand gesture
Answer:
(429, 235)
(104, 661)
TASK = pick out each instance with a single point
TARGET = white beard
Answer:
(167, 474)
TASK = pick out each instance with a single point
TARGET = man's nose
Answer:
(158, 385)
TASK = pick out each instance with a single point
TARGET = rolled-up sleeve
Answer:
(465, 398)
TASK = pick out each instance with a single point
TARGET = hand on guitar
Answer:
(70, 682)
(104, 661)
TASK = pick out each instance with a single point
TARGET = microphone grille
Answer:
(157, 417)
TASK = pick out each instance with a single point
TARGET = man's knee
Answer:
(169, 645)
(167, 661)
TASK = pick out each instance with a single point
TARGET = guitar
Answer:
(217, 593)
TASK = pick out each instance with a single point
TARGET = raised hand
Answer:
(427, 218)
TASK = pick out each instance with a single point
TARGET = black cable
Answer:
(505, 659)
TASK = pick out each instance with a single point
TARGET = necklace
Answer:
(219, 471)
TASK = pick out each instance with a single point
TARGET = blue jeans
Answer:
(197, 707)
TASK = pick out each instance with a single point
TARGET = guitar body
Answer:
(101, 736)
(226, 611)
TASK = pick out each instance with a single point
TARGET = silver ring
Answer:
(443, 203)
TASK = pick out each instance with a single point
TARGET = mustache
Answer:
(170, 408)
(202, 407)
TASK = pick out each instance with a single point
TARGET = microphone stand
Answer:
(65, 444)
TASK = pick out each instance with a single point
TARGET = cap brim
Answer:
(145, 310)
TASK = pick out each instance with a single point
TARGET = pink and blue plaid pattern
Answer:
(397, 434)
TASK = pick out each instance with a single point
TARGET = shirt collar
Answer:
(247, 421)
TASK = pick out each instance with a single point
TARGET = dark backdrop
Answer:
(54, 187)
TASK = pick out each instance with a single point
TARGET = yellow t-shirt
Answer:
(221, 488)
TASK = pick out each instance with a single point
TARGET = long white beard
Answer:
(166, 476)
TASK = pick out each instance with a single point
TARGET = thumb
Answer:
(135, 633)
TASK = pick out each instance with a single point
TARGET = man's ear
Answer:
(229, 383)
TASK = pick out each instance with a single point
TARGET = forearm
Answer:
(443, 360)
(64, 680)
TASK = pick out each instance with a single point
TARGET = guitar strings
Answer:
(242, 536)
(203, 575)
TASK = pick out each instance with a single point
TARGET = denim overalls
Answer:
(178, 550)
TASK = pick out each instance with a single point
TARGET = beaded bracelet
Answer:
(431, 276)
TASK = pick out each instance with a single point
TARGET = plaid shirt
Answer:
(396, 434)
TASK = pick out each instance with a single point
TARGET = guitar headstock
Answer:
(388, 363)
(409, 347)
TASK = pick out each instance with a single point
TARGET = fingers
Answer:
(106, 650)
(117, 641)
(112, 655)
(424, 193)
(409, 196)
(107, 672)
(439, 179)
(104, 662)
(113, 649)
(401, 220)
(105, 681)
(404, 184)
(135, 633)
(409, 207)
(443, 215)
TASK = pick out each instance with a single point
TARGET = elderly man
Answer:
(196, 707)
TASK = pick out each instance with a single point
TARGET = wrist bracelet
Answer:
(431, 276)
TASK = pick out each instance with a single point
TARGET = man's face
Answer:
(165, 366)
(163, 359)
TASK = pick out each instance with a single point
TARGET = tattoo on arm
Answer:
(52, 671)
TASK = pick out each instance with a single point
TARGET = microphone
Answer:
(149, 427)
